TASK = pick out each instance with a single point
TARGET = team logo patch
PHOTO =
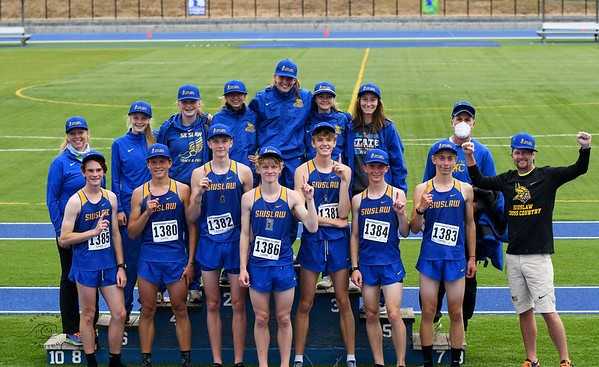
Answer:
(250, 128)
(298, 103)
(522, 193)
(270, 223)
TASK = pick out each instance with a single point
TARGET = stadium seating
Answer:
(569, 30)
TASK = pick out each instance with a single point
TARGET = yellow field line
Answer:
(19, 93)
(354, 95)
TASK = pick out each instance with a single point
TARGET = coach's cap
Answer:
(376, 156)
(270, 151)
(444, 145)
(286, 67)
(234, 86)
(523, 141)
(158, 150)
(188, 92)
(370, 88)
(323, 125)
(463, 106)
(75, 122)
(324, 87)
(141, 107)
(219, 130)
(93, 155)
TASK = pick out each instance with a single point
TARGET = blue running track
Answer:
(566, 230)
(490, 300)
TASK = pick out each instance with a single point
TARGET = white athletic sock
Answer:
(351, 357)
(299, 358)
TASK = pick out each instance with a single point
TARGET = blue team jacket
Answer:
(390, 142)
(342, 123)
(64, 180)
(129, 169)
(242, 125)
(490, 245)
(281, 120)
(187, 145)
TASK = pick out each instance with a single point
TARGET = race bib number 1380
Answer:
(165, 231)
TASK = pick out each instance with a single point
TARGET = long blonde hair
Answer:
(150, 139)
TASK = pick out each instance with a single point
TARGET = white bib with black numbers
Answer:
(267, 248)
(445, 234)
(376, 230)
(165, 231)
(329, 211)
(218, 224)
(100, 241)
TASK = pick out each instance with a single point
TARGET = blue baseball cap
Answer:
(234, 86)
(141, 107)
(523, 141)
(75, 122)
(286, 67)
(376, 156)
(444, 145)
(370, 88)
(323, 125)
(463, 106)
(270, 151)
(218, 130)
(324, 87)
(93, 155)
(158, 150)
(188, 92)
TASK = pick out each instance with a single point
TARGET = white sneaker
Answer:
(324, 283)
(166, 298)
(158, 297)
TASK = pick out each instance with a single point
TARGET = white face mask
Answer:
(462, 130)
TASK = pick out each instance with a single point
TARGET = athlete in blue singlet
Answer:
(90, 226)
(158, 215)
(327, 250)
(266, 218)
(379, 217)
(443, 211)
(216, 190)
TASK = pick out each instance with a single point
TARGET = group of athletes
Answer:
(207, 194)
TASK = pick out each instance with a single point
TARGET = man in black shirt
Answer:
(529, 193)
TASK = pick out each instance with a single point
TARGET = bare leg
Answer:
(87, 307)
(115, 298)
(260, 304)
(557, 334)
(302, 317)
(393, 295)
(429, 288)
(371, 296)
(178, 293)
(283, 303)
(346, 317)
(147, 296)
(239, 323)
(528, 327)
(455, 299)
(213, 321)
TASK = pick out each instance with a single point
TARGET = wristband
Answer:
(419, 212)
(122, 265)
(354, 268)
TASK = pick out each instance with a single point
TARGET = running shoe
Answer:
(528, 363)
(324, 283)
(566, 363)
(74, 339)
